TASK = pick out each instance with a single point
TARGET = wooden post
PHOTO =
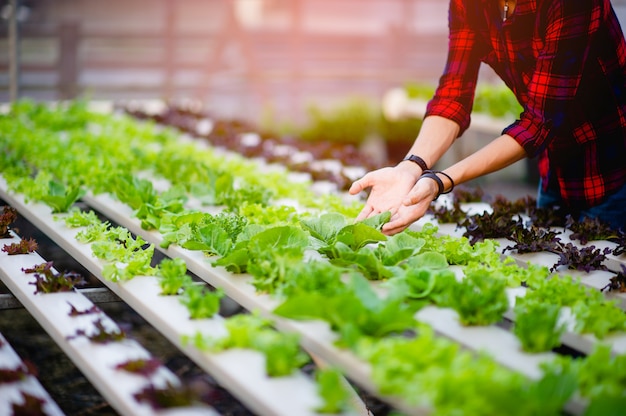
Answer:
(231, 33)
(169, 42)
(68, 59)
(14, 52)
(295, 45)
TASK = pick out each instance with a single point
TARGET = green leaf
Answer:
(537, 325)
(61, 198)
(313, 276)
(377, 221)
(421, 283)
(326, 227)
(282, 350)
(364, 260)
(333, 391)
(359, 235)
(236, 261)
(200, 301)
(172, 275)
(305, 306)
(606, 406)
(272, 269)
(212, 239)
(365, 294)
(133, 191)
(428, 260)
(399, 247)
(551, 392)
(599, 318)
(354, 313)
(78, 218)
(278, 238)
(479, 299)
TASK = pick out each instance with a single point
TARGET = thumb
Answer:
(411, 199)
(359, 185)
(420, 193)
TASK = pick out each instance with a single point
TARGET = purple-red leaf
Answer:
(23, 247)
(143, 367)
(75, 312)
(7, 217)
(32, 406)
(585, 259)
(101, 335)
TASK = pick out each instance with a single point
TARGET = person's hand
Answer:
(389, 188)
(413, 207)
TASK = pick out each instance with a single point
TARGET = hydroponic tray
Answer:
(242, 372)
(96, 360)
(13, 393)
(316, 336)
(142, 294)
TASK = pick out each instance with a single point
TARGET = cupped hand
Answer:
(413, 206)
(389, 188)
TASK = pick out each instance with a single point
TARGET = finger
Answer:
(410, 200)
(397, 224)
(365, 212)
(414, 198)
(360, 184)
(355, 188)
(393, 227)
(404, 217)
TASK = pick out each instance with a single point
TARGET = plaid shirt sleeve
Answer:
(558, 71)
(454, 96)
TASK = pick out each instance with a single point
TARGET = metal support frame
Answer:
(96, 295)
(14, 52)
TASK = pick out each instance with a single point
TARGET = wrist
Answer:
(409, 168)
(442, 188)
(414, 165)
(417, 160)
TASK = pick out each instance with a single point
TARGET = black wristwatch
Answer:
(418, 160)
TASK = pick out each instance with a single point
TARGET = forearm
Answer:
(497, 155)
(435, 137)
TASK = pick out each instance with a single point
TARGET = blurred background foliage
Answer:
(495, 100)
(356, 119)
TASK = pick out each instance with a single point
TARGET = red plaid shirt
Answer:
(566, 63)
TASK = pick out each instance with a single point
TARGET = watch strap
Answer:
(418, 160)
